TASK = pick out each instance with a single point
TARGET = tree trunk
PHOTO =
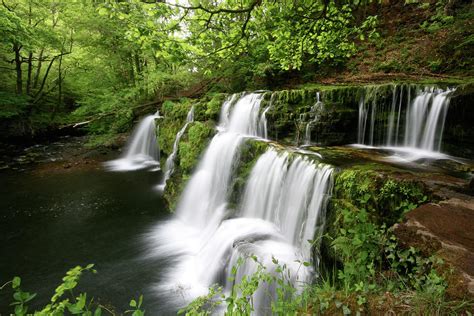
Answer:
(137, 65)
(38, 69)
(30, 69)
(43, 82)
(60, 87)
(131, 70)
(19, 79)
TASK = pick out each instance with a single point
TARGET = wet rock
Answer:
(445, 229)
(91, 154)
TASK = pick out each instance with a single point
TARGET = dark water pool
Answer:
(51, 222)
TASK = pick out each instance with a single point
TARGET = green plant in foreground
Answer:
(64, 301)
(136, 307)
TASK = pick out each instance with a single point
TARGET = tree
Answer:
(289, 32)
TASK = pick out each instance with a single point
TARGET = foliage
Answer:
(374, 267)
(136, 307)
(104, 63)
(384, 199)
(239, 301)
(425, 291)
(64, 301)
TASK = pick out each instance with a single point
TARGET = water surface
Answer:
(53, 221)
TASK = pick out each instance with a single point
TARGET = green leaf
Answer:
(29, 297)
(103, 11)
(133, 303)
(16, 282)
(20, 310)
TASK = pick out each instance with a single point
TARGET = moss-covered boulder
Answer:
(290, 111)
(192, 143)
(249, 153)
(376, 195)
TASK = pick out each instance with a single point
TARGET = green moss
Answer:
(249, 154)
(174, 188)
(213, 106)
(174, 114)
(192, 146)
(381, 197)
(192, 143)
(384, 197)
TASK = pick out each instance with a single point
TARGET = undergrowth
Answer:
(64, 301)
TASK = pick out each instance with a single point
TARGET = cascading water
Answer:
(289, 193)
(314, 112)
(169, 165)
(415, 123)
(142, 149)
(280, 210)
(263, 125)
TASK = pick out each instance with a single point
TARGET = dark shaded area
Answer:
(53, 221)
(458, 137)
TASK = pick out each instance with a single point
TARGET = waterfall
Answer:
(423, 124)
(289, 193)
(391, 119)
(142, 149)
(363, 112)
(314, 111)
(263, 126)
(282, 207)
(208, 188)
(169, 165)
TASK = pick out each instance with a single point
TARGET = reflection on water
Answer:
(52, 222)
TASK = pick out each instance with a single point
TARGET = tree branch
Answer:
(7, 7)
(38, 94)
(219, 10)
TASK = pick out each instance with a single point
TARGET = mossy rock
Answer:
(193, 143)
(249, 153)
(174, 187)
(385, 198)
(191, 147)
(174, 114)
(292, 110)
(174, 117)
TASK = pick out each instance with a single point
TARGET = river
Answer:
(53, 221)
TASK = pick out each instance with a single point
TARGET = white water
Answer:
(169, 165)
(142, 149)
(263, 125)
(281, 208)
(315, 113)
(423, 122)
(289, 193)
